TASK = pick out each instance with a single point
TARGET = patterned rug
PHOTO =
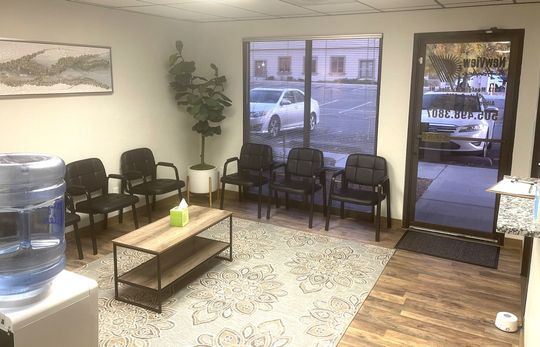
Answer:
(284, 288)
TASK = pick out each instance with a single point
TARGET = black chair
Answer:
(366, 171)
(73, 219)
(87, 176)
(138, 164)
(254, 160)
(303, 168)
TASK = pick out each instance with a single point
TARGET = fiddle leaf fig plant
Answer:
(201, 97)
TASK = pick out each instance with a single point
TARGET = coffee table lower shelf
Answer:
(164, 269)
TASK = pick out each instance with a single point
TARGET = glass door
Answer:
(461, 128)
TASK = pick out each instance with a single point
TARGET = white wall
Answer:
(140, 112)
(223, 43)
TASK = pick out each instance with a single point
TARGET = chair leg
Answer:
(276, 197)
(154, 202)
(325, 207)
(222, 197)
(135, 217)
(239, 193)
(105, 221)
(286, 201)
(78, 240)
(327, 224)
(259, 202)
(269, 203)
(342, 210)
(120, 215)
(180, 197)
(148, 209)
(311, 210)
(93, 234)
(388, 214)
(378, 222)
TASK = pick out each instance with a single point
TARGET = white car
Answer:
(458, 115)
(275, 109)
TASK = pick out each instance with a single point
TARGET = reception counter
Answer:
(515, 217)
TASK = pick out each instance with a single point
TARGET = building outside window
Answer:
(284, 65)
(337, 65)
(366, 70)
(260, 68)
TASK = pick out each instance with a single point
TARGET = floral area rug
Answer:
(283, 288)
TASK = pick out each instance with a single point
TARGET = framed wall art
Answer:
(30, 68)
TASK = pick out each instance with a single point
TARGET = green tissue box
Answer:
(179, 216)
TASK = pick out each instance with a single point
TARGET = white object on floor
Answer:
(66, 316)
(506, 321)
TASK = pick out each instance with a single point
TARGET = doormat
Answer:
(441, 246)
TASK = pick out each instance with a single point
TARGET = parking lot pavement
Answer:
(348, 120)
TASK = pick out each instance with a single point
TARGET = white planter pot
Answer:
(199, 180)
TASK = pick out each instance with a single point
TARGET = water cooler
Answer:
(64, 316)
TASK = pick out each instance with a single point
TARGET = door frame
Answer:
(535, 169)
(415, 106)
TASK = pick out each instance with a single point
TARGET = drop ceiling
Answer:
(238, 10)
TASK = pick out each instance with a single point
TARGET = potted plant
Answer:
(204, 100)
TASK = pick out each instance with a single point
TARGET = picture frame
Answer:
(35, 68)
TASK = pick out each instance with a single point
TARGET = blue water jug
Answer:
(32, 240)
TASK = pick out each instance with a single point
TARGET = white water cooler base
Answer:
(66, 316)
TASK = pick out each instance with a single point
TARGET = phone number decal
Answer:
(439, 113)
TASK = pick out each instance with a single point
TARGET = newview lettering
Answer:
(485, 63)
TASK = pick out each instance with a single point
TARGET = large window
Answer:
(341, 116)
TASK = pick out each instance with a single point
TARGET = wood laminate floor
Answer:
(419, 300)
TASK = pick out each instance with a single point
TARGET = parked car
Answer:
(461, 115)
(483, 82)
(275, 109)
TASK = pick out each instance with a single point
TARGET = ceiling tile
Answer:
(352, 7)
(269, 7)
(171, 12)
(111, 3)
(393, 5)
(217, 9)
(306, 3)
(167, 2)
(460, 3)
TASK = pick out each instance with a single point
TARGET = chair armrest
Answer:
(276, 165)
(76, 189)
(117, 176)
(383, 183)
(123, 179)
(131, 175)
(171, 165)
(227, 162)
(273, 167)
(337, 174)
(70, 206)
(333, 179)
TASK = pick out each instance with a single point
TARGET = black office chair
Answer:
(254, 160)
(303, 168)
(138, 164)
(366, 171)
(87, 176)
(73, 219)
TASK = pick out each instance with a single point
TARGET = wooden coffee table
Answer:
(177, 251)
